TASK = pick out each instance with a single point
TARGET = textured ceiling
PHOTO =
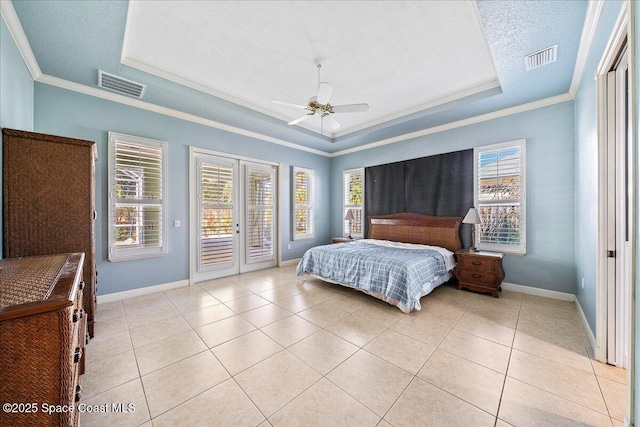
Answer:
(399, 57)
(71, 40)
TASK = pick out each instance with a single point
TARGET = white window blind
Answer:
(216, 214)
(500, 197)
(137, 197)
(303, 203)
(353, 200)
(260, 212)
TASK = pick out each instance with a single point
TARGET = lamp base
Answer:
(473, 249)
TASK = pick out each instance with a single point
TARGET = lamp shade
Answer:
(472, 217)
(349, 216)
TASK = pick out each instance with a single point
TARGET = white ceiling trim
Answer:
(193, 85)
(15, 28)
(444, 100)
(17, 32)
(187, 82)
(121, 99)
(170, 76)
(461, 123)
(594, 10)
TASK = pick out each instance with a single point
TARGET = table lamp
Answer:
(472, 218)
(349, 217)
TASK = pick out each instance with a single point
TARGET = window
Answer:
(353, 200)
(303, 203)
(500, 196)
(137, 197)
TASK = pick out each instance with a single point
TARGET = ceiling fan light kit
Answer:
(321, 106)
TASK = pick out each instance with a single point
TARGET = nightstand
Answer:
(480, 271)
(341, 240)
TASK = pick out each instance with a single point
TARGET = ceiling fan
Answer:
(321, 106)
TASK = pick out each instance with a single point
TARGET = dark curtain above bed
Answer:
(435, 185)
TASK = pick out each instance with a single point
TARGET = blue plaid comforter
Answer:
(394, 272)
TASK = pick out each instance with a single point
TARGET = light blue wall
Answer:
(586, 152)
(62, 112)
(549, 262)
(16, 85)
(635, 22)
(16, 93)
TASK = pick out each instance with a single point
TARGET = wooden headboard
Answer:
(443, 231)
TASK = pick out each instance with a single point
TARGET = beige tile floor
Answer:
(269, 348)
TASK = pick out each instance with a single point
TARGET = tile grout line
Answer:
(385, 329)
(506, 372)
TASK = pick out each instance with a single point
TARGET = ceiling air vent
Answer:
(120, 85)
(541, 57)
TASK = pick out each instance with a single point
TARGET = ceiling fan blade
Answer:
(350, 108)
(288, 104)
(324, 93)
(330, 123)
(299, 119)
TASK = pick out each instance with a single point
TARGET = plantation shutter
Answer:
(303, 203)
(137, 197)
(216, 214)
(260, 209)
(353, 181)
(500, 192)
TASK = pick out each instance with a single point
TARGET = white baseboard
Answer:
(564, 296)
(116, 296)
(289, 262)
(585, 325)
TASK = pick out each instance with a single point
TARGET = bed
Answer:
(405, 257)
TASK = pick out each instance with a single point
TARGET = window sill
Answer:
(136, 257)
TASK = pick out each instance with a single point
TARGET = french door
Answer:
(233, 215)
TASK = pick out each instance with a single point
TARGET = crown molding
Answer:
(592, 16)
(141, 66)
(121, 99)
(15, 28)
(172, 77)
(461, 123)
(431, 104)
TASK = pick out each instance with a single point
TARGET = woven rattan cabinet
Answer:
(49, 201)
(42, 337)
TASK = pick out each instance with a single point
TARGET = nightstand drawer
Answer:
(478, 263)
(479, 271)
(477, 276)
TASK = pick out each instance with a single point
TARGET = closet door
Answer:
(259, 217)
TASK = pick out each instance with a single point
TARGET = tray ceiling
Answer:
(399, 57)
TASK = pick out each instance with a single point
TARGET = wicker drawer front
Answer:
(478, 263)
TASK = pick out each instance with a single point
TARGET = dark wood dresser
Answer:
(42, 339)
(480, 271)
(49, 201)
